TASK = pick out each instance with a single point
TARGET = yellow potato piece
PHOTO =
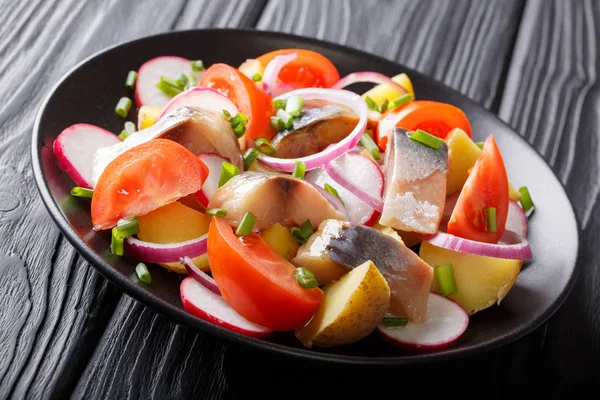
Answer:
(481, 281)
(251, 67)
(175, 223)
(408, 238)
(281, 240)
(462, 154)
(147, 116)
(351, 309)
(382, 92)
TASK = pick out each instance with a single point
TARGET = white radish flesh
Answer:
(200, 97)
(213, 162)
(516, 220)
(75, 147)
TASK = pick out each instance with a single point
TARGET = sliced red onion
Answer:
(272, 70)
(202, 277)
(511, 246)
(283, 88)
(334, 201)
(370, 77)
(516, 220)
(332, 171)
(347, 98)
(166, 253)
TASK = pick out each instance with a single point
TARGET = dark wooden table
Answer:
(67, 332)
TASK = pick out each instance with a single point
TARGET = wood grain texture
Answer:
(552, 97)
(53, 305)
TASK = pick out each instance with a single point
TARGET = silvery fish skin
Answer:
(415, 184)
(200, 131)
(272, 198)
(320, 125)
(338, 246)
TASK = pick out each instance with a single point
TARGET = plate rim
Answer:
(179, 315)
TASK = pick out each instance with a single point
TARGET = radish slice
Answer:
(516, 220)
(200, 97)
(165, 253)
(512, 246)
(75, 147)
(205, 304)
(149, 75)
(210, 185)
(202, 277)
(445, 321)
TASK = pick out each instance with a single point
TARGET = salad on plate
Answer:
(287, 202)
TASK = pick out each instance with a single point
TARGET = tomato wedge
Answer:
(144, 178)
(250, 100)
(256, 281)
(431, 116)
(486, 186)
(309, 69)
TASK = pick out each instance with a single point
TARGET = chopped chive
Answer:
(246, 225)
(167, 89)
(370, 145)
(257, 77)
(117, 243)
(226, 113)
(193, 81)
(123, 107)
(240, 118)
(276, 123)
(288, 120)
(490, 219)
(445, 276)
(130, 127)
(303, 232)
(82, 192)
(305, 278)
(264, 146)
(371, 103)
(249, 157)
(197, 65)
(182, 81)
(526, 201)
(398, 101)
(124, 134)
(332, 190)
(143, 274)
(383, 106)
(426, 139)
(294, 106)
(394, 322)
(228, 171)
(239, 130)
(279, 104)
(175, 83)
(479, 144)
(299, 170)
(217, 212)
(131, 78)
(128, 227)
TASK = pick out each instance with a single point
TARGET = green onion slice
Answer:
(303, 232)
(264, 146)
(426, 139)
(370, 145)
(394, 322)
(246, 225)
(131, 78)
(334, 192)
(143, 274)
(288, 120)
(294, 106)
(249, 157)
(117, 246)
(479, 144)
(305, 278)
(124, 134)
(197, 65)
(226, 113)
(299, 170)
(257, 77)
(398, 101)
(490, 219)
(130, 127)
(175, 83)
(276, 123)
(182, 81)
(128, 227)
(383, 106)
(445, 276)
(167, 89)
(217, 212)
(228, 171)
(123, 107)
(526, 201)
(371, 103)
(82, 192)
(279, 104)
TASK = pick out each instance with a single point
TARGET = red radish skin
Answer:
(200, 97)
(75, 147)
(213, 162)
(200, 276)
(149, 75)
(445, 322)
(204, 304)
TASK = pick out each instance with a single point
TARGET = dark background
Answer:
(66, 332)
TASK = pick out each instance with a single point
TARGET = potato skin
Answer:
(363, 309)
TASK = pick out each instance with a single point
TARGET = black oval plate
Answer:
(91, 90)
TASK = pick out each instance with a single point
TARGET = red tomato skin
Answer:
(257, 282)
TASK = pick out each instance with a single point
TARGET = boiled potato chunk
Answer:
(281, 240)
(147, 116)
(481, 281)
(351, 309)
(175, 223)
(250, 67)
(382, 92)
(408, 238)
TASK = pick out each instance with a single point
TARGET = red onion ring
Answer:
(347, 98)
(271, 74)
(511, 246)
(370, 77)
(374, 202)
(166, 253)
(200, 276)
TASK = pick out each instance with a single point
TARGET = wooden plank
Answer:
(551, 98)
(470, 55)
(53, 305)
